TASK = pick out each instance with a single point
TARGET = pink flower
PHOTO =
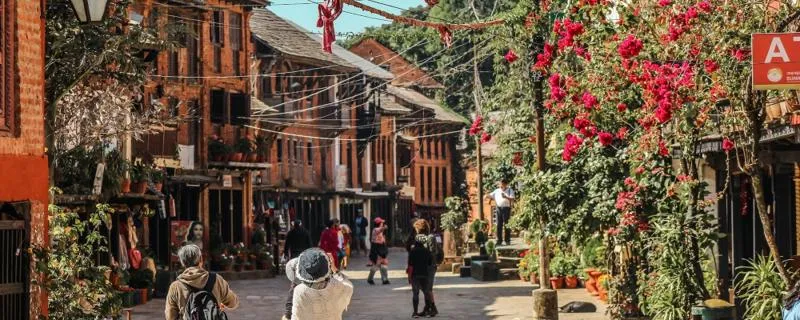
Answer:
(727, 145)
(571, 147)
(630, 182)
(486, 137)
(639, 170)
(664, 3)
(663, 114)
(589, 132)
(621, 107)
(691, 13)
(711, 66)
(741, 54)
(477, 126)
(662, 149)
(511, 56)
(605, 138)
(704, 6)
(684, 178)
(622, 133)
(589, 101)
(581, 122)
(630, 47)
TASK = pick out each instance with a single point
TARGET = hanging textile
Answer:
(328, 12)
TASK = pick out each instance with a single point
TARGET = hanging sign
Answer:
(227, 181)
(776, 60)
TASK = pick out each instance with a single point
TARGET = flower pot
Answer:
(126, 186)
(557, 282)
(534, 278)
(603, 296)
(571, 282)
(142, 295)
(252, 158)
(238, 268)
(219, 157)
(140, 187)
(236, 157)
(263, 265)
(262, 158)
(523, 278)
(159, 186)
(250, 267)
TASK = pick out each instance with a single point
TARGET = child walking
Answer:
(419, 260)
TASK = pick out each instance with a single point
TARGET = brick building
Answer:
(407, 75)
(206, 85)
(23, 163)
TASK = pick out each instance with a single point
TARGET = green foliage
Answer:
(761, 288)
(491, 246)
(140, 172)
(78, 287)
(244, 145)
(216, 147)
(456, 214)
(593, 253)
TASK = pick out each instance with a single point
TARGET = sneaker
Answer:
(371, 282)
(386, 282)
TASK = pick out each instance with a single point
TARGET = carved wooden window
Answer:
(8, 121)
(235, 34)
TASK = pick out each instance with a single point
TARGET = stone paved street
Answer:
(457, 298)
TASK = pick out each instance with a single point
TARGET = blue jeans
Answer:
(503, 214)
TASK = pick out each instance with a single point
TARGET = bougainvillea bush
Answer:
(630, 88)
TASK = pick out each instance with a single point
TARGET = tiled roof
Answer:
(369, 68)
(388, 104)
(292, 40)
(416, 98)
(407, 75)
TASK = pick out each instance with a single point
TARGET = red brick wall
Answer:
(405, 72)
(23, 163)
(440, 164)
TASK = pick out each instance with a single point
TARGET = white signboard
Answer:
(98, 178)
(227, 181)
(186, 155)
(379, 172)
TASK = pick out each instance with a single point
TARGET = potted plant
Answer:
(140, 175)
(557, 271)
(158, 176)
(603, 288)
(242, 147)
(251, 155)
(522, 267)
(238, 263)
(477, 229)
(571, 271)
(491, 248)
(217, 149)
(262, 148)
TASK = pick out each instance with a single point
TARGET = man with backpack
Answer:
(428, 241)
(198, 294)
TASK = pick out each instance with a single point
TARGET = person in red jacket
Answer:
(329, 240)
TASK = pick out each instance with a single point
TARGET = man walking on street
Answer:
(195, 279)
(503, 198)
(297, 241)
(360, 232)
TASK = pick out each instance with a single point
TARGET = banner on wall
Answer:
(776, 60)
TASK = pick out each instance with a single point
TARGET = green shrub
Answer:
(760, 287)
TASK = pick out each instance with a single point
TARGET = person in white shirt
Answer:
(321, 291)
(503, 199)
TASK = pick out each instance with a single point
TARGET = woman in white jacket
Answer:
(321, 291)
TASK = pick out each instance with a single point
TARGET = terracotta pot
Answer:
(159, 186)
(557, 282)
(126, 186)
(236, 157)
(534, 278)
(591, 285)
(252, 158)
(143, 295)
(572, 282)
(603, 296)
(262, 158)
(140, 187)
(219, 157)
(238, 267)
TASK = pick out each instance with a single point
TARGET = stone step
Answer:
(509, 274)
(508, 262)
(456, 268)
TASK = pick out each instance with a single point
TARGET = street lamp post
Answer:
(90, 11)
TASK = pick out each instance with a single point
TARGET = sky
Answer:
(352, 20)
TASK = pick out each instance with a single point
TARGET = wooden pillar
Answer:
(247, 206)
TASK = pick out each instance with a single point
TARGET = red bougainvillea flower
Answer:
(639, 170)
(621, 107)
(605, 138)
(622, 133)
(630, 182)
(581, 121)
(477, 126)
(589, 101)
(571, 147)
(486, 137)
(663, 114)
(511, 56)
(711, 66)
(684, 177)
(705, 6)
(630, 47)
(557, 92)
(545, 59)
(727, 145)
(567, 31)
(664, 3)
(662, 149)
(741, 54)
(612, 231)
(589, 132)
(517, 161)
(643, 226)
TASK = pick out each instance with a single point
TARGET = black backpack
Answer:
(201, 303)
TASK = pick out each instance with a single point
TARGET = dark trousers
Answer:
(420, 283)
(289, 302)
(503, 214)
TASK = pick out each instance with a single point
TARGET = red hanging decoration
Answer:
(328, 12)
(432, 3)
(446, 35)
